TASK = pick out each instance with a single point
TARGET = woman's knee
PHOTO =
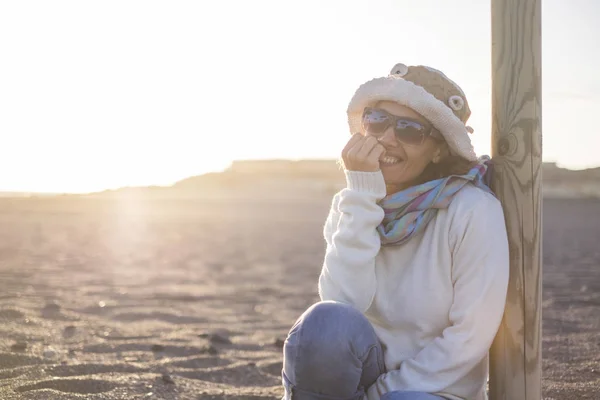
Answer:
(330, 319)
(326, 324)
(325, 345)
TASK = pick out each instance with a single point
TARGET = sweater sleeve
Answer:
(480, 279)
(348, 273)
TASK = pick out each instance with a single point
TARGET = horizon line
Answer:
(28, 193)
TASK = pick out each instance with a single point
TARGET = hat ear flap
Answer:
(456, 103)
(399, 70)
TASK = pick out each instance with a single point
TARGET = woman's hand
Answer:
(362, 153)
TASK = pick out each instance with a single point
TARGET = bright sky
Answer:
(103, 94)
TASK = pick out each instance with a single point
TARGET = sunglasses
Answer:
(376, 121)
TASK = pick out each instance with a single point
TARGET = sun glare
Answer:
(97, 96)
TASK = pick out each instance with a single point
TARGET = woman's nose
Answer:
(388, 138)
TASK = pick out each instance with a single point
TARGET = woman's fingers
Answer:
(376, 153)
(367, 145)
(362, 153)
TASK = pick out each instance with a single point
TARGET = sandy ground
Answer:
(189, 299)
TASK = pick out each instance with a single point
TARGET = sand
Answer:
(191, 299)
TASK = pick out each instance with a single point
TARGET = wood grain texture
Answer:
(515, 362)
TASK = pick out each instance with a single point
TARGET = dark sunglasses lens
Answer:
(375, 121)
(410, 132)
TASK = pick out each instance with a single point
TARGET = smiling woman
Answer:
(410, 146)
(415, 272)
(418, 135)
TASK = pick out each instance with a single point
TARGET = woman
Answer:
(413, 285)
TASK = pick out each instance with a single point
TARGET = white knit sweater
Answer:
(435, 301)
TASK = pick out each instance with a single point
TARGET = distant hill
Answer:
(308, 178)
(285, 172)
(288, 178)
(554, 174)
(327, 174)
(564, 183)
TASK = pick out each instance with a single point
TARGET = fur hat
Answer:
(428, 92)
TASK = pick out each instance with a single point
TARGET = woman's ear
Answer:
(440, 153)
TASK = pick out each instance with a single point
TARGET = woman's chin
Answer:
(392, 169)
(393, 174)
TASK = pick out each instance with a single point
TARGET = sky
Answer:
(99, 95)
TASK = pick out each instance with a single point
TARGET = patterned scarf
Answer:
(409, 211)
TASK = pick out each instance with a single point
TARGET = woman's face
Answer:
(401, 163)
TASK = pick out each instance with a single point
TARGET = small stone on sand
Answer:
(19, 346)
(69, 331)
(157, 347)
(216, 338)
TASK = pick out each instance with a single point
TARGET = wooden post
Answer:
(515, 357)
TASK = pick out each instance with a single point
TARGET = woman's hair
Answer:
(449, 165)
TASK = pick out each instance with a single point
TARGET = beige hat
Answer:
(427, 91)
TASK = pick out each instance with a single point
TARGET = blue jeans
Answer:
(333, 353)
